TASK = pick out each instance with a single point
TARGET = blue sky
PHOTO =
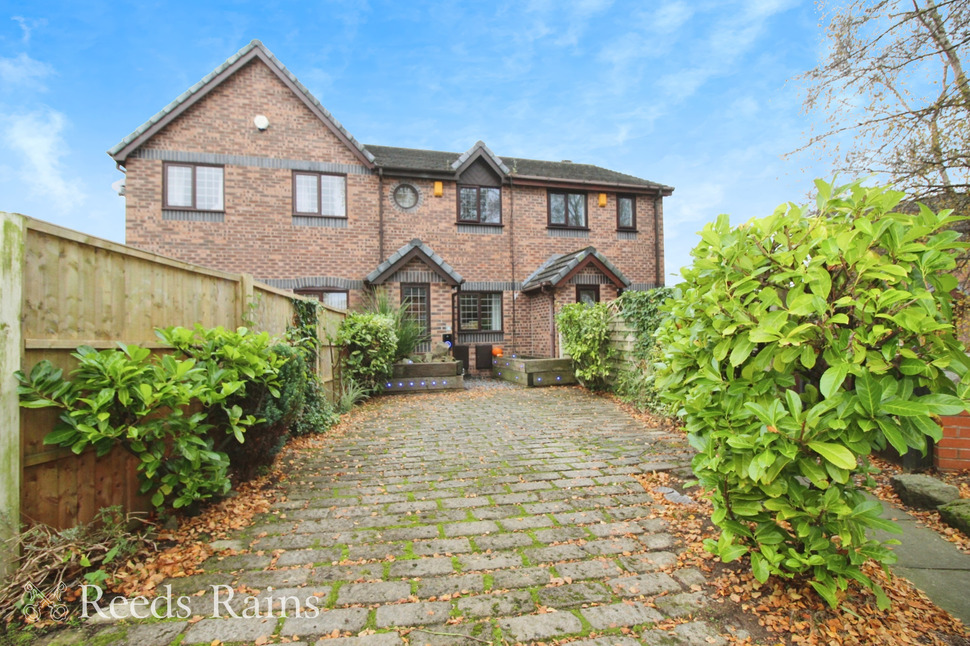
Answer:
(697, 95)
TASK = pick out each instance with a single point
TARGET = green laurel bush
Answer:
(370, 345)
(798, 344)
(585, 330)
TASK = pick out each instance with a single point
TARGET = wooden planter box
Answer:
(534, 373)
(423, 377)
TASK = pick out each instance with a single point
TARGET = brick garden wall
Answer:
(953, 451)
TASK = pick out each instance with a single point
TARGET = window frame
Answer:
(566, 193)
(501, 310)
(318, 175)
(588, 288)
(427, 293)
(633, 202)
(318, 292)
(195, 202)
(478, 202)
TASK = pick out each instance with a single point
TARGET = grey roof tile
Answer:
(388, 265)
(556, 268)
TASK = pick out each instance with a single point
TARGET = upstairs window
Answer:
(192, 187)
(567, 210)
(626, 213)
(319, 194)
(479, 205)
(480, 312)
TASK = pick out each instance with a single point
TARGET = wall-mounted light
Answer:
(261, 122)
(602, 199)
(438, 189)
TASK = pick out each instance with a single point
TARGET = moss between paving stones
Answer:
(957, 514)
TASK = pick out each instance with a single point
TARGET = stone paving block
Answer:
(498, 512)
(516, 602)
(683, 604)
(379, 551)
(580, 517)
(157, 634)
(416, 506)
(455, 584)
(465, 503)
(574, 594)
(305, 557)
(349, 619)
(433, 566)
(503, 541)
(570, 483)
(526, 522)
(514, 498)
(690, 576)
(547, 507)
(473, 562)
(615, 529)
(618, 615)
(229, 630)
(380, 592)
(635, 512)
(608, 546)
(582, 473)
(644, 584)
(538, 627)
(461, 634)
(236, 562)
(331, 574)
(377, 639)
(612, 640)
(661, 541)
(473, 528)
(405, 534)
(560, 534)
(519, 487)
(699, 632)
(648, 561)
(521, 578)
(184, 586)
(442, 546)
(274, 578)
(596, 569)
(653, 525)
(555, 553)
(422, 613)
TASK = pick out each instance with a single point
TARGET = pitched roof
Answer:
(446, 163)
(414, 249)
(255, 49)
(559, 268)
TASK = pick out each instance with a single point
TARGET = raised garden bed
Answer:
(534, 373)
(422, 377)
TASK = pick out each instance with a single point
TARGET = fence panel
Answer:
(80, 290)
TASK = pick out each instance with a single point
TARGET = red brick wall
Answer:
(953, 451)
(258, 235)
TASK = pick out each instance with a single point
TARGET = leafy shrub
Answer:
(796, 346)
(410, 332)
(166, 411)
(318, 413)
(370, 343)
(641, 310)
(586, 338)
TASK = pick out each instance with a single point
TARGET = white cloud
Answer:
(27, 25)
(24, 71)
(34, 144)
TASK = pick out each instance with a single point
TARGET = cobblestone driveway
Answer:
(486, 516)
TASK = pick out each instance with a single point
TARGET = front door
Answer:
(416, 300)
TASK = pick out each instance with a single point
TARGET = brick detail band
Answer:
(313, 281)
(249, 160)
(479, 229)
(626, 235)
(567, 233)
(319, 221)
(194, 216)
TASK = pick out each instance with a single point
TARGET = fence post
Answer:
(245, 296)
(12, 243)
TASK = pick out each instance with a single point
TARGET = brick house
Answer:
(247, 172)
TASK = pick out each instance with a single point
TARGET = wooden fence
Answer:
(60, 289)
(622, 338)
